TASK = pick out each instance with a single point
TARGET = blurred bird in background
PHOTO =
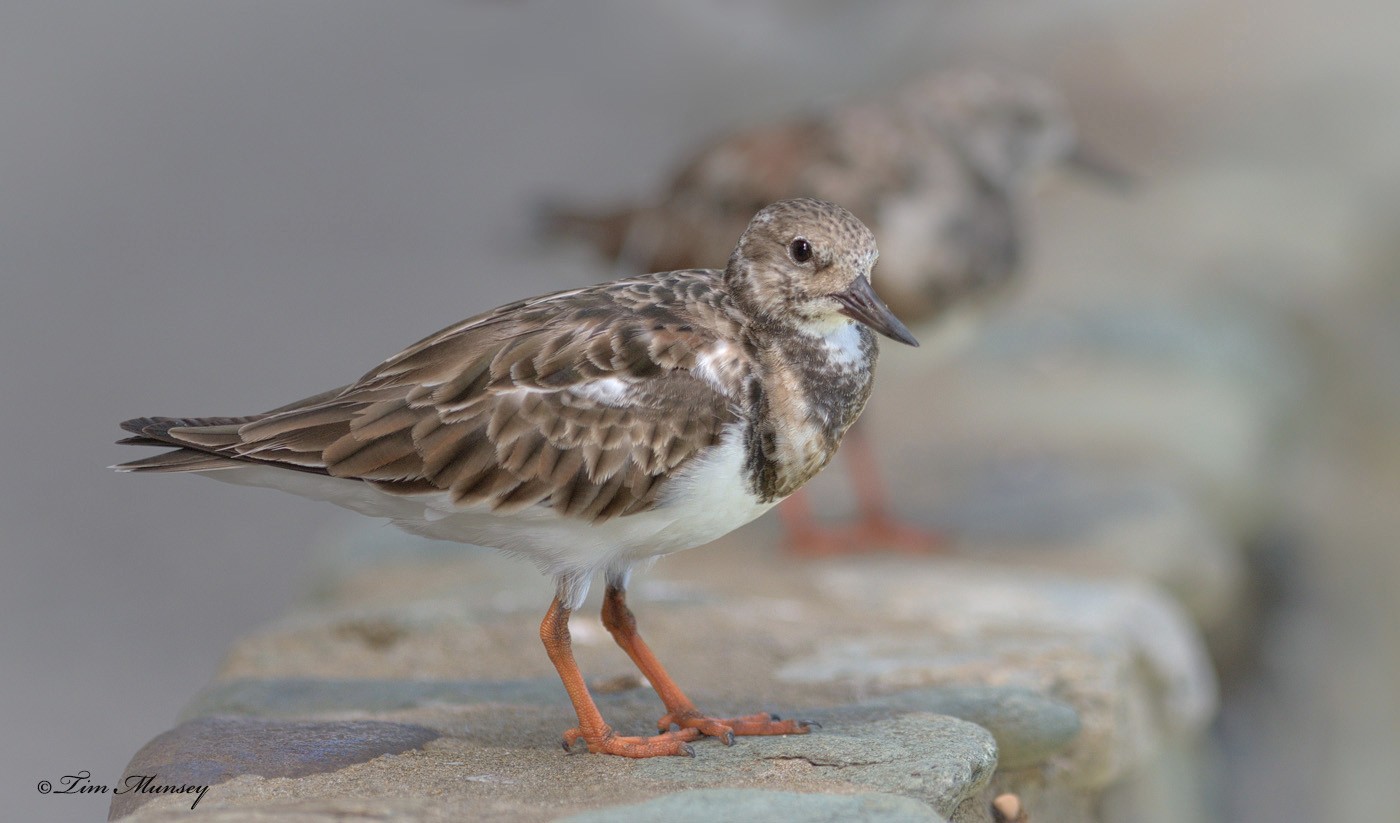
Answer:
(941, 170)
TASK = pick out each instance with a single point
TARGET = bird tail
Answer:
(606, 231)
(197, 441)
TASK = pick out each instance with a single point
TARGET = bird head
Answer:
(808, 263)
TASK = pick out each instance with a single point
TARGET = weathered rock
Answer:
(210, 751)
(493, 755)
(902, 747)
(1028, 727)
(920, 670)
(307, 697)
(941, 761)
(759, 806)
(1068, 514)
(1121, 654)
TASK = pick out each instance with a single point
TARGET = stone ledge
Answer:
(742, 805)
(936, 682)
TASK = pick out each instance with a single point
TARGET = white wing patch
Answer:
(611, 391)
(717, 366)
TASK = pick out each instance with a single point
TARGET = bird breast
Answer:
(814, 389)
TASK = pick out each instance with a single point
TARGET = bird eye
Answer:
(800, 250)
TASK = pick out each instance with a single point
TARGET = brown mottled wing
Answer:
(583, 401)
(746, 171)
(711, 199)
(849, 155)
(855, 156)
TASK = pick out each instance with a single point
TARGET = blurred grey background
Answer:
(216, 208)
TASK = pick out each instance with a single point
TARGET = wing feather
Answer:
(582, 401)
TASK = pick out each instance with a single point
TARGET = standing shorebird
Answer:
(941, 170)
(593, 430)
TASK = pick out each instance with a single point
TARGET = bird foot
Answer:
(668, 743)
(726, 728)
(870, 535)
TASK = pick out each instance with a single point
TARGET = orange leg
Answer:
(599, 736)
(876, 527)
(804, 537)
(620, 622)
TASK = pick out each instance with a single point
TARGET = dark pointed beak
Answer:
(861, 303)
(1090, 164)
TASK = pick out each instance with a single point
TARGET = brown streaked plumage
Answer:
(941, 169)
(593, 429)
(494, 409)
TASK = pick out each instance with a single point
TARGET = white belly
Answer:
(706, 501)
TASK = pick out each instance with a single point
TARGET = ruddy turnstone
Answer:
(940, 170)
(593, 430)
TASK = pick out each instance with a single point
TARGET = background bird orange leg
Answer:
(599, 736)
(876, 528)
(802, 535)
(679, 710)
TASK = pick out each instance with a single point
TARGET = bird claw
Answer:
(571, 739)
(763, 723)
(671, 743)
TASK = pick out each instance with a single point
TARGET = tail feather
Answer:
(195, 448)
(141, 441)
(180, 460)
(207, 443)
(605, 231)
(158, 428)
